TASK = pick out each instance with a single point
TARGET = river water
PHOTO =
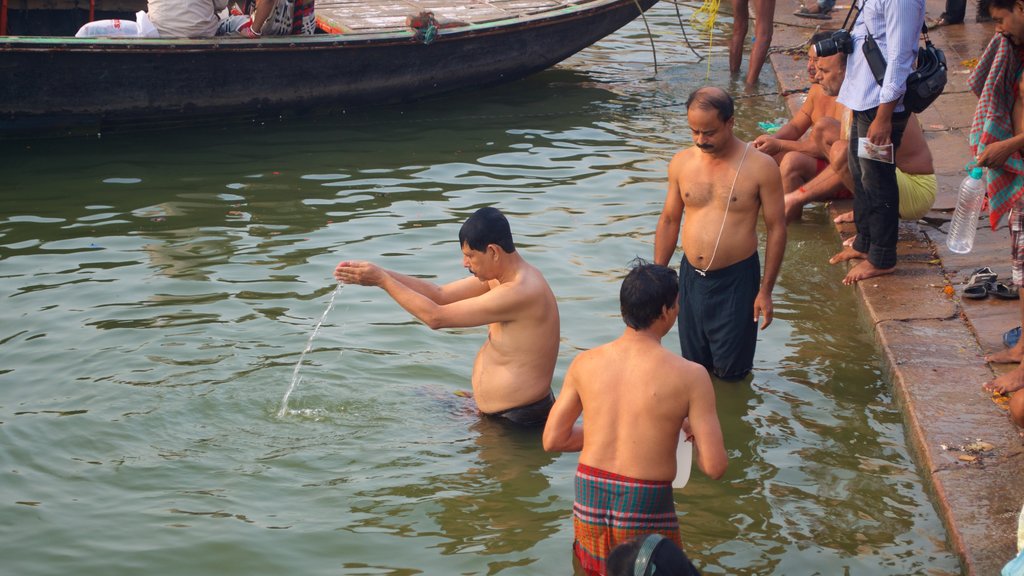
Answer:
(158, 289)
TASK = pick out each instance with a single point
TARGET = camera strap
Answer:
(847, 24)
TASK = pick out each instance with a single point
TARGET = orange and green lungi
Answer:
(610, 509)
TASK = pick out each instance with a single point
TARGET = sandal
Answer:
(982, 276)
(1000, 290)
(976, 291)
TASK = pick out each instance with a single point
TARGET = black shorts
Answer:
(716, 316)
(532, 415)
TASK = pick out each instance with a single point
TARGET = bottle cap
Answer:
(976, 172)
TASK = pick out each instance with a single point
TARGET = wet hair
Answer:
(649, 554)
(485, 227)
(647, 290)
(711, 98)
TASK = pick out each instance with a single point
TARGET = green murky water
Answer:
(158, 288)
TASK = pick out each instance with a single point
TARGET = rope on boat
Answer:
(650, 36)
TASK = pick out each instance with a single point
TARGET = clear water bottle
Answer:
(968, 208)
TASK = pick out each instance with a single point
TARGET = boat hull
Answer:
(54, 80)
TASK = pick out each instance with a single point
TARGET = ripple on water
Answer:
(168, 341)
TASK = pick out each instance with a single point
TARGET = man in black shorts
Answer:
(723, 183)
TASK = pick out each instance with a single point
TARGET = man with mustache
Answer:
(915, 171)
(513, 369)
(722, 183)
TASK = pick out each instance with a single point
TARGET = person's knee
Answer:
(796, 169)
(838, 155)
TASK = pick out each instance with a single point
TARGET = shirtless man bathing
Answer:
(513, 369)
(723, 183)
(635, 396)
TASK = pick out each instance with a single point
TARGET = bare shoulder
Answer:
(588, 360)
(681, 158)
(679, 368)
(763, 164)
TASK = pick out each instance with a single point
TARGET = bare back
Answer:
(514, 366)
(705, 186)
(636, 395)
(913, 156)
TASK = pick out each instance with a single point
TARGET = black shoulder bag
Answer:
(925, 83)
(928, 80)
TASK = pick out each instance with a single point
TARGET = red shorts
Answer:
(843, 193)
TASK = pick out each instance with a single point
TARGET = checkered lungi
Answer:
(611, 509)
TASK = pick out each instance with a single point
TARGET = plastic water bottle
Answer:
(968, 207)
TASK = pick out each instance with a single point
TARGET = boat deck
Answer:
(362, 16)
(333, 16)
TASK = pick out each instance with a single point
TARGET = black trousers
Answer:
(954, 13)
(876, 196)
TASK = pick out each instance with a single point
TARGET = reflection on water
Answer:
(159, 287)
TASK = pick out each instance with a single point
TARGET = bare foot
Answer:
(1009, 382)
(849, 241)
(865, 270)
(794, 208)
(1010, 355)
(848, 253)
(844, 218)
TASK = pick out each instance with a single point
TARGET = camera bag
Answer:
(928, 80)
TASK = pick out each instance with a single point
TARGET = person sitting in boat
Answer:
(165, 19)
(271, 18)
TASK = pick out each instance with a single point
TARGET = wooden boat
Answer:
(376, 52)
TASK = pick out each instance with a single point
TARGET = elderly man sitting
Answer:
(915, 171)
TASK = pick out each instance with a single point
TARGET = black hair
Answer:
(666, 557)
(485, 227)
(1002, 4)
(711, 98)
(647, 290)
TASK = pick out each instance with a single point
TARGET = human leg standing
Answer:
(881, 201)
(954, 13)
(740, 26)
(763, 27)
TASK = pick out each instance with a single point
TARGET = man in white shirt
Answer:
(186, 18)
(879, 117)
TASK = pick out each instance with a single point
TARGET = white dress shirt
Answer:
(186, 18)
(896, 26)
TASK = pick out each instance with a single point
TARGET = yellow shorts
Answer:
(917, 194)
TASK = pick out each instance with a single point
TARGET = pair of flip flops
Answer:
(984, 282)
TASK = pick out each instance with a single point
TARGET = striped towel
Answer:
(610, 509)
(994, 82)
